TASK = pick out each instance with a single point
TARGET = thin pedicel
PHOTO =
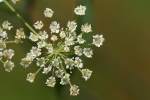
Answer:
(19, 16)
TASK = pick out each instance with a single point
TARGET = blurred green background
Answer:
(121, 67)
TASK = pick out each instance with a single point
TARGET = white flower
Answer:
(62, 34)
(72, 25)
(86, 28)
(86, 73)
(88, 52)
(56, 62)
(54, 27)
(2, 45)
(51, 81)
(31, 77)
(69, 63)
(20, 34)
(7, 25)
(98, 40)
(78, 50)
(50, 48)
(33, 37)
(80, 39)
(54, 38)
(78, 62)
(38, 25)
(74, 90)
(46, 70)
(43, 35)
(65, 80)
(3, 34)
(41, 44)
(80, 10)
(66, 49)
(8, 65)
(48, 12)
(8, 53)
(40, 62)
(35, 51)
(59, 73)
(25, 62)
(31, 56)
(69, 41)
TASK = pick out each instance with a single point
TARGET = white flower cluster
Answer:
(59, 50)
(6, 55)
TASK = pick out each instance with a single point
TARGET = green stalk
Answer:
(19, 16)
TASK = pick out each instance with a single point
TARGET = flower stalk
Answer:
(19, 16)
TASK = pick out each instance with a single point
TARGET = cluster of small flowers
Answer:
(59, 51)
(6, 55)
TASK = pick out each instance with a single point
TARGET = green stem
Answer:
(19, 16)
(9, 42)
(2, 61)
(38, 70)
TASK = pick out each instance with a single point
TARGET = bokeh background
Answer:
(121, 67)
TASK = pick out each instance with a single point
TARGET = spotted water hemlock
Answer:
(6, 54)
(59, 50)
